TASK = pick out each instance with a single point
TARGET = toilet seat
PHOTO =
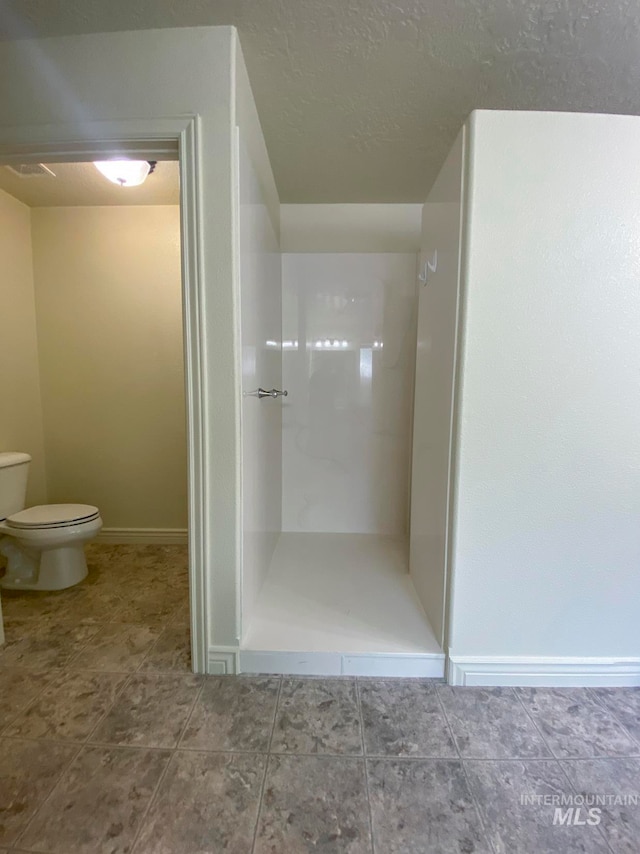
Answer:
(46, 516)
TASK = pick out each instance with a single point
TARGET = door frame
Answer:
(153, 139)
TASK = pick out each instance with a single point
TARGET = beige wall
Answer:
(21, 412)
(108, 301)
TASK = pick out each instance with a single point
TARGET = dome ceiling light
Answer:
(126, 173)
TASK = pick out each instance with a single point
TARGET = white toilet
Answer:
(44, 545)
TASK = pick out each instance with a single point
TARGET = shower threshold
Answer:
(340, 604)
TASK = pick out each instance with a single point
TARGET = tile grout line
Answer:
(266, 766)
(112, 625)
(108, 745)
(535, 725)
(64, 675)
(597, 699)
(37, 811)
(347, 757)
(72, 658)
(143, 817)
(150, 650)
(189, 716)
(579, 758)
(172, 751)
(19, 850)
(199, 693)
(125, 683)
(448, 723)
(191, 710)
(69, 742)
(603, 756)
(573, 788)
(353, 757)
(557, 760)
(485, 833)
(607, 758)
(365, 764)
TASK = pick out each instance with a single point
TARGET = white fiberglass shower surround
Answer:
(326, 587)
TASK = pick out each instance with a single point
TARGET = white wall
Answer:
(21, 410)
(350, 228)
(435, 372)
(347, 420)
(261, 312)
(247, 119)
(109, 308)
(547, 540)
(258, 292)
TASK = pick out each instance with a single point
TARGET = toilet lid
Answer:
(53, 516)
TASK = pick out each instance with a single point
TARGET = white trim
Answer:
(193, 294)
(237, 313)
(337, 664)
(222, 661)
(543, 671)
(60, 142)
(143, 536)
(451, 512)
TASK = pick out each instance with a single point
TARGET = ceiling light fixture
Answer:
(126, 173)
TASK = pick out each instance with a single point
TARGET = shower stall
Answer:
(327, 483)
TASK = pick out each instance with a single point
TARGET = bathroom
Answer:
(512, 566)
(94, 380)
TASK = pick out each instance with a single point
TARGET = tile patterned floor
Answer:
(109, 745)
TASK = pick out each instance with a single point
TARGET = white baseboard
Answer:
(222, 660)
(338, 664)
(540, 672)
(143, 536)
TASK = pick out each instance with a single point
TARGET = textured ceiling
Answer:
(82, 184)
(361, 99)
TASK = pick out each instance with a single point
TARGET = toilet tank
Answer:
(14, 471)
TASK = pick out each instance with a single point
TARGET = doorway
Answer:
(181, 146)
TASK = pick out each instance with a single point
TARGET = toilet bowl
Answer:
(44, 545)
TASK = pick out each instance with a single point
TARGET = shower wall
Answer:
(348, 354)
(261, 323)
(434, 394)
